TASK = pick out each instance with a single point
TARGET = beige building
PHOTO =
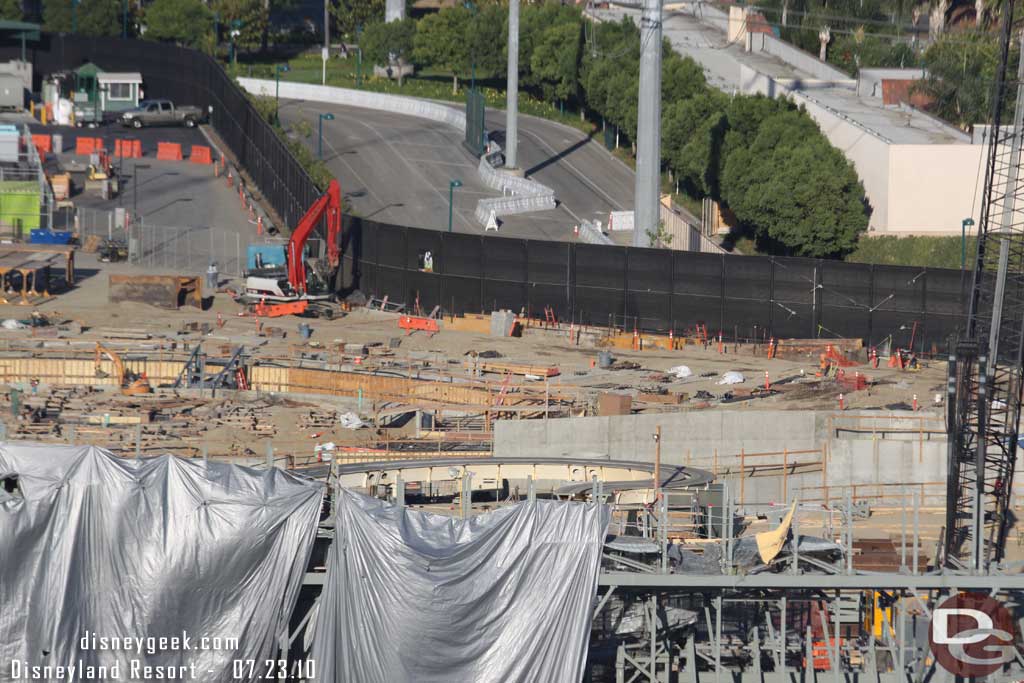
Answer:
(921, 175)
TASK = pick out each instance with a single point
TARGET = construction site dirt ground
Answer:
(293, 424)
(888, 388)
(87, 303)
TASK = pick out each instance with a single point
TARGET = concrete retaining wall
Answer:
(766, 456)
(629, 437)
(532, 195)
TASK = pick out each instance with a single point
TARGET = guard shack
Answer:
(100, 94)
(119, 91)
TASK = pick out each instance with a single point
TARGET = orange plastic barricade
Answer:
(200, 155)
(168, 151)
(127, 149)
(412, 323)
(43, 143)
(88, 145)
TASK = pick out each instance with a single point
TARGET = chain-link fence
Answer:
(162, 247)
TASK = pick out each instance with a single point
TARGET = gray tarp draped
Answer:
(414, 596)
(113, 547)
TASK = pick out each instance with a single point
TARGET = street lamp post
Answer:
(320, 143)
(278, 69)
(359, 57)
(451, 196)
(135, 188)
(964, 224)
(74, 15)
(236, 26)
(124, 18)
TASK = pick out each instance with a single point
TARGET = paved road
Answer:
(396, 169)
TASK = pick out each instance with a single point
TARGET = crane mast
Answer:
(984, 383)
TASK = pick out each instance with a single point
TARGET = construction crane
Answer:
(985, 376)
(294, 282)
(131, 384)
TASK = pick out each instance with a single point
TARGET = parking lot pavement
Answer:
(189, 215)
(396, 169)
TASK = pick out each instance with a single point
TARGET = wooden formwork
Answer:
(278, 379)
(83, 371)
(402, 389)
(371, 387)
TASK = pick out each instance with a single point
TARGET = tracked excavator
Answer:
(304, 286)
(131, 384)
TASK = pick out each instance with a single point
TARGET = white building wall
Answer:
(934, 186)
(912, 189)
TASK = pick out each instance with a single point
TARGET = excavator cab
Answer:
(131, 383)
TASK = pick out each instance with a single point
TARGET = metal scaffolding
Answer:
(807, 615)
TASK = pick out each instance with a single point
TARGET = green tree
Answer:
(11, 10)
(699, 163)
(692, 132)
(187, 22)
(252, 16)
(851, 53)
(440, 41)
(389, 43)
(487, 40)
(554, 61)
(350, 15)
(961, 69)
(609, 73)
(681, 77)
(93, 17)
(797, 192)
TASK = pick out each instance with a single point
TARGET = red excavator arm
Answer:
(328, 204)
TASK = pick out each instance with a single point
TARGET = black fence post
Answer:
(871, 306)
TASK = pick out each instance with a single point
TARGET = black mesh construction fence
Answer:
(654, 290)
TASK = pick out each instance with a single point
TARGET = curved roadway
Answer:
(396, 169)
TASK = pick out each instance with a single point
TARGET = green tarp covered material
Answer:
(19, 204)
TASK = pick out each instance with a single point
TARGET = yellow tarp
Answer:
(769, 543)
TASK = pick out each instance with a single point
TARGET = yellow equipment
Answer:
(131, 384)
(102, 170)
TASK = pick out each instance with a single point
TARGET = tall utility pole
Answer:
(327, 41)
(648, 139)
(394, 10)
(512, 89)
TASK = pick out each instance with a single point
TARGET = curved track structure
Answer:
(575, 475)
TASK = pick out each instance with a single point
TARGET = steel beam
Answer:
(698, 582)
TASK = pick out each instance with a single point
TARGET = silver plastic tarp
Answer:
(95, 546)
(415, 596)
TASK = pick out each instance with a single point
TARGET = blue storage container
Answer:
(40, 236)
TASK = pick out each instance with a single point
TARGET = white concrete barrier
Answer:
(398, 104)
(527, 196)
